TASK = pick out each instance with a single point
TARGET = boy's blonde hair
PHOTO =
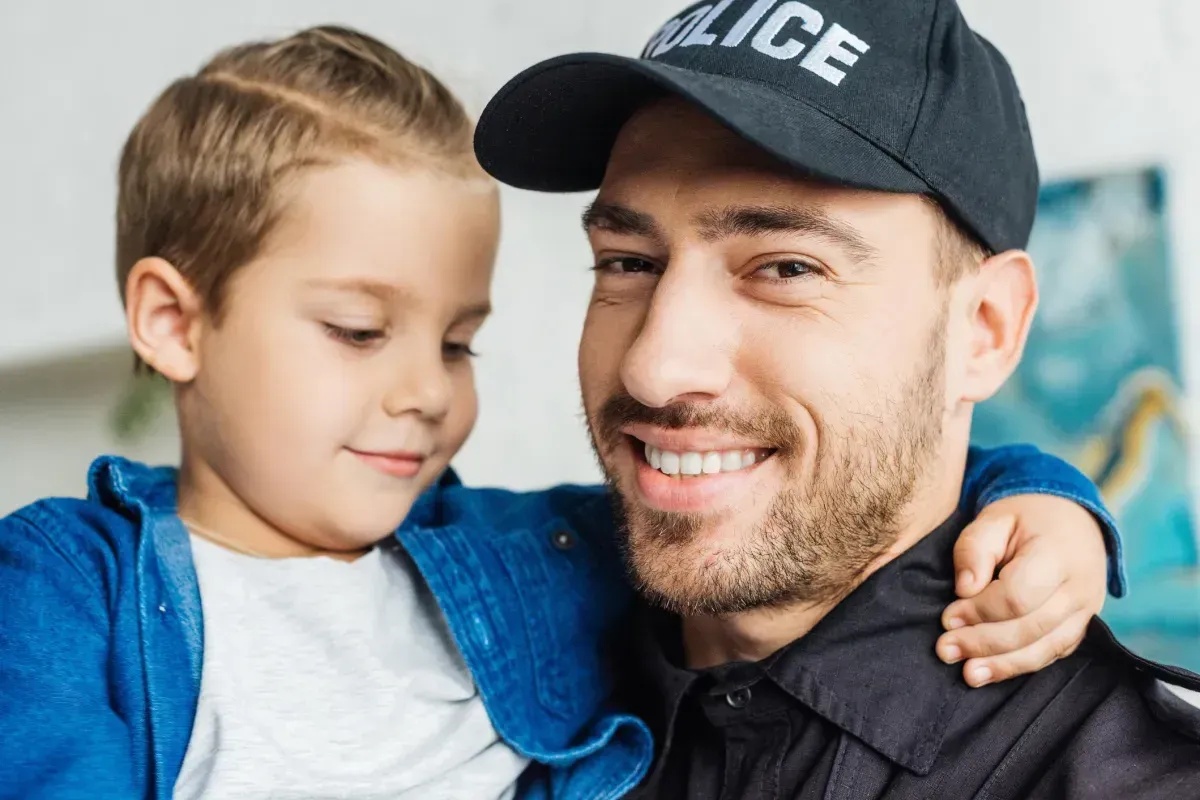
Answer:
(202, 175)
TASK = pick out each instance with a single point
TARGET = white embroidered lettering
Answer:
(833, 46)
(764, 40)
(685, 27)
(738, 32)
(700, 34)
(662, 33)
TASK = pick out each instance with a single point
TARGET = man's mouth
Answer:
(695, 463)
(694, 471)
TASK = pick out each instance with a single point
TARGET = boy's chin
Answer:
(362, 527)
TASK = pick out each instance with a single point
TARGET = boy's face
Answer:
(337, 383)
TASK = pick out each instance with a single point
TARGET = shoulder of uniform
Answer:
(1101, 638)
(1172, 693)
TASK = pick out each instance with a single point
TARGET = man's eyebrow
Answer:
(621, 219)
(762, 220)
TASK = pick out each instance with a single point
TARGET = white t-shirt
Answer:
(328, 679)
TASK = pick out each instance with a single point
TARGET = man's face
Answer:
(762, 366)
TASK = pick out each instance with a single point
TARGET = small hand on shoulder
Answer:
(1031, 574)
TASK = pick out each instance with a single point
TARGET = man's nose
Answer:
(686, 346)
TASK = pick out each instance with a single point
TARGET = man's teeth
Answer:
(711, 463)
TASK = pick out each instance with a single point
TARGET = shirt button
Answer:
(563, 540)
(738, 698)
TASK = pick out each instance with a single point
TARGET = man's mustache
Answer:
(769, 427)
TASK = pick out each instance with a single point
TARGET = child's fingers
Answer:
(1024, 585)
(1060, 642)
(980, 550)
(997, 638)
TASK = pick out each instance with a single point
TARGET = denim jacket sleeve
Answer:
(61, 737)
(997, 473)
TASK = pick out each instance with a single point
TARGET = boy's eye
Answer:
(453, 350)
(355, 337)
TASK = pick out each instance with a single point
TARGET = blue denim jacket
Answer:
(101, 631)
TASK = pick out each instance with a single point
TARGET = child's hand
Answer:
(1053, 565)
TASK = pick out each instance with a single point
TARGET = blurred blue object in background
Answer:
(1100, 387)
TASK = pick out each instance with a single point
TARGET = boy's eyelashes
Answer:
(355, 337)
(362, 338)
(454, 350)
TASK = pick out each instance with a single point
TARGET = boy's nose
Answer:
(422, 386)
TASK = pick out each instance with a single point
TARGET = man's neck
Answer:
(749, 636)
(709, 641)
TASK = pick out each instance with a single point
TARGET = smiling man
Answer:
(810, 266)
(756, 469)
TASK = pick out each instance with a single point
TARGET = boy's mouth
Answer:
(398, 464)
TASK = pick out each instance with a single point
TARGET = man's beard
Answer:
(815, 541)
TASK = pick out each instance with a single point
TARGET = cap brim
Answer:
(552, 127)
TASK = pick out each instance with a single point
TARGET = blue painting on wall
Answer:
(1100, 386)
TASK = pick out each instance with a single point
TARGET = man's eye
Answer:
(355, 337)
(787, 270)
(626, 265)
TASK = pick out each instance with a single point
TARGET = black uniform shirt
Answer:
(861, 708)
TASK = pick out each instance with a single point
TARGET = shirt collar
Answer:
(869, 666)
(130, 487)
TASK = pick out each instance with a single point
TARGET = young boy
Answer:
(305, 245)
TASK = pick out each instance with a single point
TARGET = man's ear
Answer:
(999, 316)
(163, 315)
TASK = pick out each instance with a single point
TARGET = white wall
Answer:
(54, 418)
(1106, 88)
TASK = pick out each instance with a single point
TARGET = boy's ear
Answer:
(163, 315)
(1001, 311)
